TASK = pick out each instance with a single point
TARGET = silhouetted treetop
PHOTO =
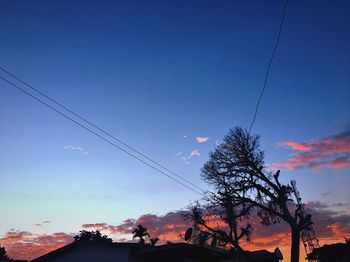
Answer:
(3, 254)
(140, 232)
(236, 170)
(95, 236)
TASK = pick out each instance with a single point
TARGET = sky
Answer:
(169, 78)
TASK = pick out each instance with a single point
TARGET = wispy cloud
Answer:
(42, 223)
(296, 145)
(184, 157)
(330, 152)
(176, 155)
(202, 139)
(80, 149)
(194, 153)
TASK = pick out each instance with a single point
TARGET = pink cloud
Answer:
(296, 145)
(124, 228)
(167, 227)
(26, 245)
(330, 227)
(331, 152)
(201, 139)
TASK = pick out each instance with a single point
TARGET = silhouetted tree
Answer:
(153, 241)
(140, 232)
(347, 240)
(95, 236)
(220, 221)
(236, 170)
(3, 254)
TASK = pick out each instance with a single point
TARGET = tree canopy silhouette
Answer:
(96, 236)
(153, 241)
(242, 184)
(140, 232)
(219, 221)
(3, 254)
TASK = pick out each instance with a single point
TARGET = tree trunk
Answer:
(295, 248)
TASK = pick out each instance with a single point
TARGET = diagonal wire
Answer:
(98, 135)
(100, 129)
(123, 143)
(269, 64)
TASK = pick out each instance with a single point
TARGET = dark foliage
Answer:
(96, 236)
(3, 254)
(140, 232)
(153, 241)
(219, 222)
(339, 252)
(236, 170)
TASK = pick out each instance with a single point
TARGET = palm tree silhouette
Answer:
(154, 241)
(140, 232)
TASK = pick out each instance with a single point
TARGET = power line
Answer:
(100, 129)
(98, 135)
(123, 143)
(269, 64)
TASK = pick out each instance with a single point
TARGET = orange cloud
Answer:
(330, 227)
(201, 139)
(296, 145)
(27, 245)
(331, 152)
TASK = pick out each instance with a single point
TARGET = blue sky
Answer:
(152, 72)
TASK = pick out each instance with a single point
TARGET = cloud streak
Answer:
(329, 152)
(193, 153)
(42, 223)
(186, 158)
(80, 149)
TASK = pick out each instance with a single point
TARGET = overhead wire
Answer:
(269, 64)
(98, 135)
(99, 128)
(125, 144)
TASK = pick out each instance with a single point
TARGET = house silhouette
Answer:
(134, 252)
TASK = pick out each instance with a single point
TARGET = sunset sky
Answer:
(169, 78)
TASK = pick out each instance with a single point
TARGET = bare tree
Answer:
(220, 221)
(236, 170)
